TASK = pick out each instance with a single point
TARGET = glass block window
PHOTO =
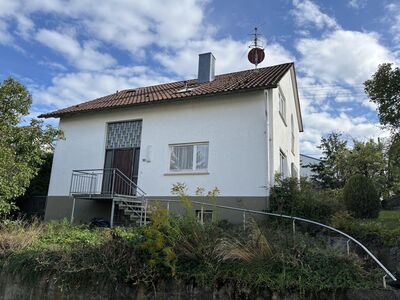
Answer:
(124, 134)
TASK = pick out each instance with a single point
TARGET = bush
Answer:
(304, 199)
(361, 198)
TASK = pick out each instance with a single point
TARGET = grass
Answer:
(385, 230)
(389, 219)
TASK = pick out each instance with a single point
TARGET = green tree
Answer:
(384, 90)
(329, 172)
(21, 147)
(368, 159)
(394, 165)
(361, 197)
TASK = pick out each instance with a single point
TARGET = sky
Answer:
(69, 51)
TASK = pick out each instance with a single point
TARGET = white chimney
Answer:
(206, 67)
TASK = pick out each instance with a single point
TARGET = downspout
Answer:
(269, 138)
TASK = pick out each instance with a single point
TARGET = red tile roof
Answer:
(261, 78)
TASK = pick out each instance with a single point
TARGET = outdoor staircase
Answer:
(129, 203)
(134, 210)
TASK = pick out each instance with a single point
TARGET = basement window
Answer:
(207, 216)
(189, 157)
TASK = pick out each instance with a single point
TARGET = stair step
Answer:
(123, 206)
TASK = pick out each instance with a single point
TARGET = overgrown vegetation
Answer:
(304, 199)
(180, 248)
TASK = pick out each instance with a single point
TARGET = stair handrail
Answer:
(298, 219)
(129, 181)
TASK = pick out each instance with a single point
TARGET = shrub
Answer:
(361, 198)
(304, 199)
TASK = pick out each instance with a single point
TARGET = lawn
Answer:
(389, 219)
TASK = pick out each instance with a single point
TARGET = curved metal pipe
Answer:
(299, 219)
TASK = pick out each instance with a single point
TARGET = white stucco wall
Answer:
(281, 131)
(233, 125)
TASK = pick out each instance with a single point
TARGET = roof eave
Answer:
(173, 100)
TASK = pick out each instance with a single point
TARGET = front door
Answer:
(125, 160)
(122, 153)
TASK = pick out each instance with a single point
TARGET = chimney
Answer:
(206, 67)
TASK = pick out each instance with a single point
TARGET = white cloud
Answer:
(357, 4)
(128, 24)
(82, 56)
(342, 56)
(307, 13)
(394, 20)
(322, 123)
(72, 88)
(230, 54)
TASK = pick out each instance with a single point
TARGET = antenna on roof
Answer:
(256, 55)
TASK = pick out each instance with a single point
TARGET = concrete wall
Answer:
(233, 125)
(232, 216)
(60, 207)
(12, 288)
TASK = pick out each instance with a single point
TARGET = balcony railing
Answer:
(103, 183)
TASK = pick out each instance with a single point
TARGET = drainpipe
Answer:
(269, 137)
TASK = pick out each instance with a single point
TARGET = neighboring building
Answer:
(232, 131)
(305, 163)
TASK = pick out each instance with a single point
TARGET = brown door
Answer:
(126, 161)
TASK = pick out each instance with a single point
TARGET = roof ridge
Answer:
(266, 77)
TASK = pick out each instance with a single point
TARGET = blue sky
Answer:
(67, 52)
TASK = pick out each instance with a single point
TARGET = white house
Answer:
(305, 165)
(232, 131)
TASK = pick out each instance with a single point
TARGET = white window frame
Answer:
(208, 216)
(282, 106)
(194, 163)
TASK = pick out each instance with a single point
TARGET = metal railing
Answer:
(250, 211)
(103, 182)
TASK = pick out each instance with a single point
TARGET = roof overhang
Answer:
(296, 97)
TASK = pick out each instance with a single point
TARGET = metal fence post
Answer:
(113, 183)
(294, 227)
(112, 214)
(145, 211)
(202, 215)
(73, 210)
(244, 220)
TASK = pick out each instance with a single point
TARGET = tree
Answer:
(21, 147)
(361, 197)
(384, 90)
(329, 172)
(394, 165)
(368, 159)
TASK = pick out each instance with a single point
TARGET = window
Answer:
(282, 107)
(282, 163)
(292, 130)
(294, 172)
(207, 216)
(189, 157)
